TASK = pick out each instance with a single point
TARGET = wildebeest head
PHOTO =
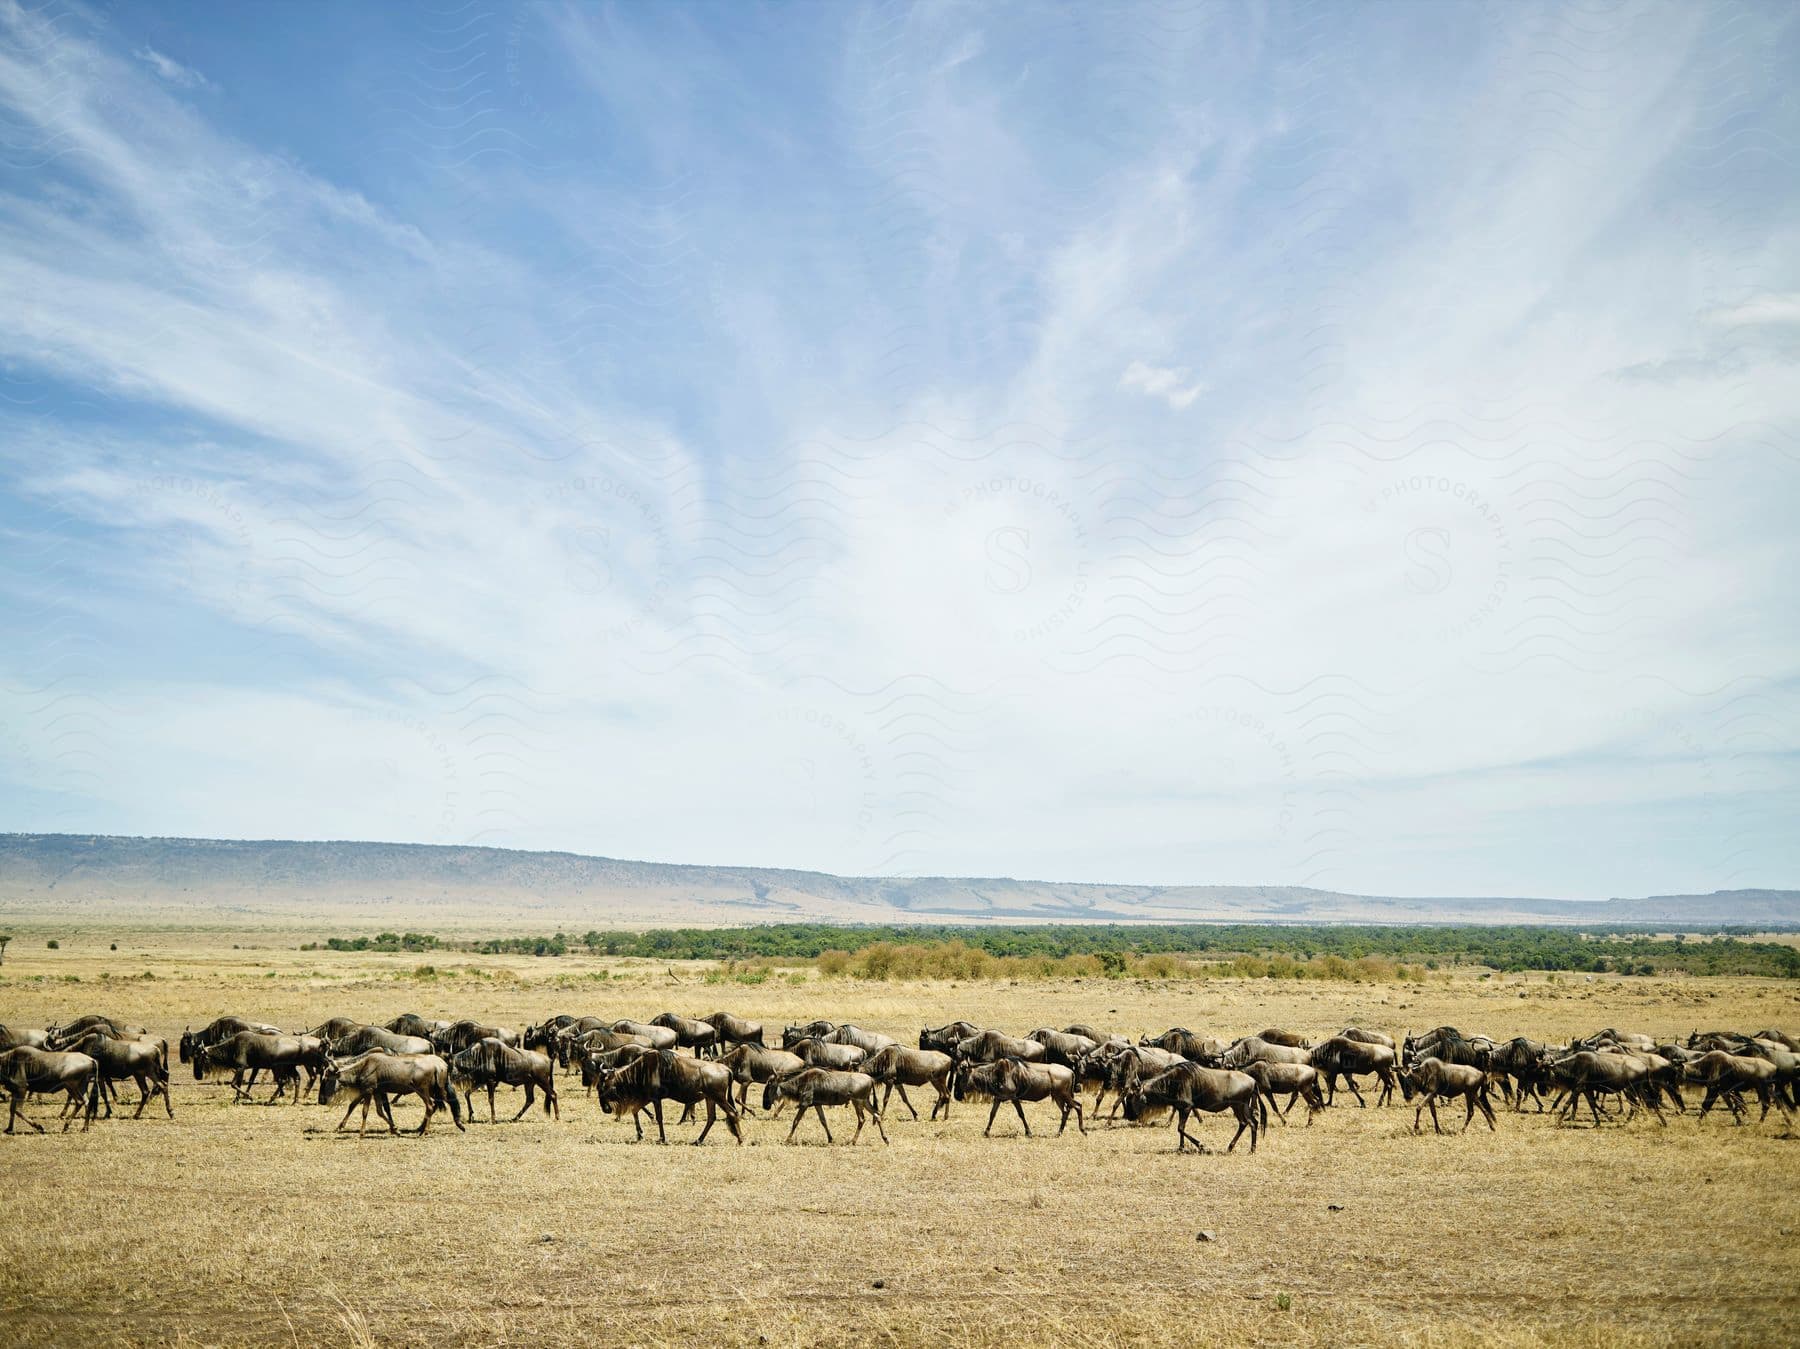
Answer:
(1133, 1103)
(187, 1044)
(329, 1081)
(771, 1093)
(202, 1061)
(974, 1079)
(1408, 1087)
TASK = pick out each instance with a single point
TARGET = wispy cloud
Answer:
(172, 70)
(1177, 388)
(755, 442)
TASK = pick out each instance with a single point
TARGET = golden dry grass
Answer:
(252, 1224)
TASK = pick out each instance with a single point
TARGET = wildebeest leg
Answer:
(795, 1126)
(490, 1091)
(18, 1114)
(553, 1106)
(1022, 1120)
(731, 1120)
(1418, 1115)
(1481, 1100)
(1264, 1091)
(362, 1125)
(1182, 1135)
(530, 1097)
(860, 1121)
(1432, 1102)
(824, 1123)
(995, 1110)
(1593, 1098)
(1075, 1105)
(424, 1094)
(943, 1100)
(1469, 1111)
(656, 1106)
(712, 1113)
(1350, 1082)
(903, 1100)
(1387, 1087)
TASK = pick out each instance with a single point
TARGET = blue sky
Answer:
(1332, 445)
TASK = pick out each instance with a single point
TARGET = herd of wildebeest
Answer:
(713, 1062)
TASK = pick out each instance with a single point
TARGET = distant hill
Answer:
(208, 881)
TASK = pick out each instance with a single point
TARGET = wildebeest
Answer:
(1018, 1080)
(411, 1023)
(1180, 1040)
(1588, 1074)
(223, 1028)
(1094, 1033)
(898, 1066)
(1061, 1046)
(868, 1041)
(750, 1063)
(1296, 1081)
(543, 1035)
(1343, 1057)
(464, 1034)
(61, 1037)
(12, 1037)
(281, 1055)
(491, 1062)
(566, 1042)
(377, 1077)
(1189, 1087)
(1431, 1078)
(665, 1075)
(593, 1064)
(812, 1030)
(1448, 1045)
(815, 1088)
(1276, 1036)
(734, 1030)
(944, 1039)
(657, 1037)
(365, 1038)
(1125, 1067)
(571, 1047)
(690, 1032)
(1609, 1036)
(825, 1054)
(336, 1028)
(25, 1069)
(1522, 1068)
(989, 1046)
(1255, 1049)
(145, 1062)
(1729, 1076)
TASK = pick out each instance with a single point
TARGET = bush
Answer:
(53, 945)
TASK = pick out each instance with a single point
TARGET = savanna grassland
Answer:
(251, 1224)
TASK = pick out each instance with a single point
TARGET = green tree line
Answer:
(1118, 948)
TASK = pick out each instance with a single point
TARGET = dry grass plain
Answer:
(254, 1224)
